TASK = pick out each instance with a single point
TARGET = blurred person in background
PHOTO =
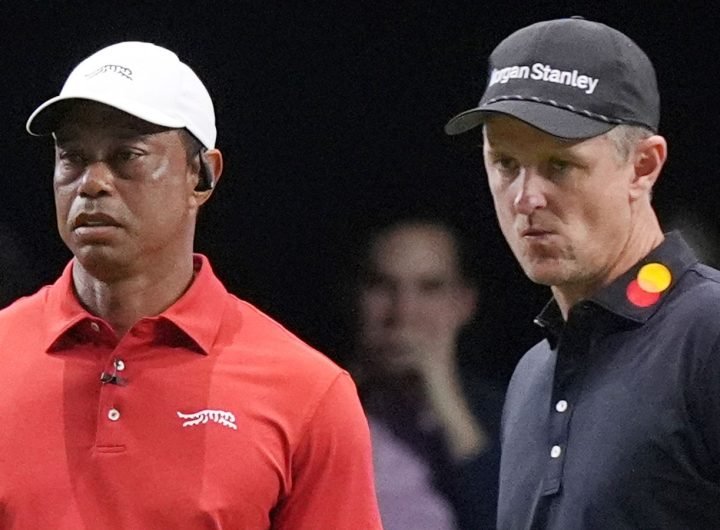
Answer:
(434, 428)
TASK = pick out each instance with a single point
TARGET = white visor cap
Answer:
(142, 79)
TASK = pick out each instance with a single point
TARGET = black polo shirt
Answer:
(613, 421)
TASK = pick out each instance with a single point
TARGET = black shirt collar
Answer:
(673, 253)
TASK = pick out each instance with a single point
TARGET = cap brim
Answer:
(552, 120)
(44, 120)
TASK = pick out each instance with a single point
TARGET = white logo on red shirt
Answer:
(227, 419)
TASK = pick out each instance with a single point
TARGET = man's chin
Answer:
(546, 272)
(101, 261)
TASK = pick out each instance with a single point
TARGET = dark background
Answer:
(330, 115)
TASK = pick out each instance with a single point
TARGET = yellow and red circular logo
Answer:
(652, 279)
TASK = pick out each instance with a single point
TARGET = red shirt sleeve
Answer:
(332, 476)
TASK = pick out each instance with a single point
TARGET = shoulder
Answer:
(24, 308)
(700, 281)
(695, 301)
(697, 305)
(251, 339)
(260, 330)
(23, 323)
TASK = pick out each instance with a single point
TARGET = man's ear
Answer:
(210, 170)
(649, 157)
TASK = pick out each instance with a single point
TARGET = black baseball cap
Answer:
(572, 78)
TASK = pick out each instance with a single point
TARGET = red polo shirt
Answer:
(212, 416)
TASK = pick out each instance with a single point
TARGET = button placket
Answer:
(572, 352)
(112, 404)
(568, 372)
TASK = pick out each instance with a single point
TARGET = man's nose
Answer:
(529, 195)
(96, 179)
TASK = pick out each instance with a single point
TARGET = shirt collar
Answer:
(638, 293)
(196, 314)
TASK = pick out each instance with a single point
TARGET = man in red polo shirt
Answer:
(136, 392)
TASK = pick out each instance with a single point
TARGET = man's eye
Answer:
(126, 156)
(432, 286)
(506, 164)
(71, 157)
(559, 166)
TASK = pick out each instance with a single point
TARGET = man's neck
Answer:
(123, 301)
(639, 244)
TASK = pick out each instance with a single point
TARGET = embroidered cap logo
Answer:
(113, 68)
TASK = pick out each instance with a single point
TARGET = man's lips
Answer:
(91, 220)
(534, 232)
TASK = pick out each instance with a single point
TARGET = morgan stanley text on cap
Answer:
(142, 79)
(571, 78)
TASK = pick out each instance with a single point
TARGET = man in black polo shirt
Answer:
(613, 421)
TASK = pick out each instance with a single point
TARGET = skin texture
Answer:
(412, 309)
(576, 215)
(126, 207)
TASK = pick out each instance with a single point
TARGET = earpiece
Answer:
(205, 178)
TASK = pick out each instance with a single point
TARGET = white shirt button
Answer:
(94, 326)
(113, 414)
(556, 451)
(561, 406)
(119, 365)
